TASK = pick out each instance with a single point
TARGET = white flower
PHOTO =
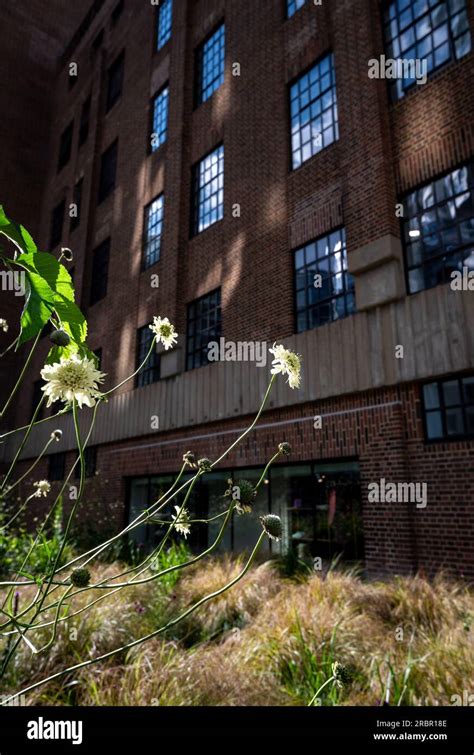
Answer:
(72, 378)
(288, 363)
(43, 488)
(164, 332)
(3, 324)
(181, 521)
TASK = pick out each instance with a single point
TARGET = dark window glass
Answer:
(208, 190)
(203, 326)
(152, 231)
(84, 122)
(438, 229)
(65, 145)
(117, 12)
(448, 407)
(57, 222)
(56, 466)
(160, 119)
(431, 31)
(324, 290)
(97, 43)
(293, 6)
(90, 463)
(165, 20)
(108, 171)
(36, 397)
(100, 272)
(313, 108)
(210, 65)
(151, 371)
(77, 200)
(115, 81)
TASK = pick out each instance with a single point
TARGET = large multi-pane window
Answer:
(432, 31)
(438, 225)
(153, 228)
(208, 190)
(293, 5)
(165, 21)
(448, 407)
(160, 119)
(324, 288)
(210, 64)
(151, 371)
(313, 108)
(203, 326)
(100, 272)
(108, 171)
(57, 222)
(115, 80)
(65, 146)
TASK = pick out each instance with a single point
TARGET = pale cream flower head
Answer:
(164, 332)
(3, 324)
(288, 363)
(42, 488)
(181, 521)
(72, 379)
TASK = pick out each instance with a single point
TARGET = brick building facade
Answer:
(326, 171)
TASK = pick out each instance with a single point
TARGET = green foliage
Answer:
(178, 553)
(49, 293)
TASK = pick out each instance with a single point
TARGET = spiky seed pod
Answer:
(272, 526)
(60, 338)
(246, 496)
(342, 674)
(205, 465)
(284, 448)
(80, 577)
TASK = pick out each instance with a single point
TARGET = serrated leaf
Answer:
(16, 233)
(72, 319)
(39, 305)
(48, 267)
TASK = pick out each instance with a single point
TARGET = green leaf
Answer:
(72, 319)
(39, 305)
(48, 267)
(16, 233)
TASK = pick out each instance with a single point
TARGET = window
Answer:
(160, 119)
(313, 107)
(151, 371)
(210, 65)
(57, 221)
(438, 228)
(65, 145)
(117, 12)
(108, 171)
(97, 43)
(324, 288)
(203, 326)
(293, 6)
(84, 122)
(208, 190)
(77, 200)
(434, 32)
(36, 397)
(165, 13)
(100, 272)
(56, 466)
(115, 81)
(90, 463)
(448, 407)
(153, 227)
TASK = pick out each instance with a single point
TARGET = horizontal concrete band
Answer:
(348, 356)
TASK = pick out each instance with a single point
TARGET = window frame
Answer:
(145, 240)
(60, 458)
(65, 152)
(153, 366)
(199, 68)
(196, 189)
(74, 222)
(159, 93)
(159, 47)
(104, 247)
(104, 193)
(195, 351)
(115, 76)
(53, 241)
(444, 438)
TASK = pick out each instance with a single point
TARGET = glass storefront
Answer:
(319, 504)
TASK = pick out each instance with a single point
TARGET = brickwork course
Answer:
(369, 398)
